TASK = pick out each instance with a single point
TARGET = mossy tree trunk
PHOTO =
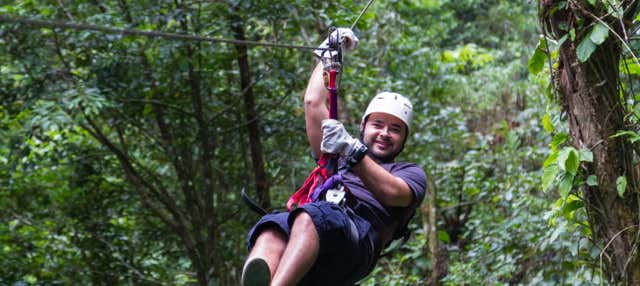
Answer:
(590, 94)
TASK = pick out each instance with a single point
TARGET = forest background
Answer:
(122, 157)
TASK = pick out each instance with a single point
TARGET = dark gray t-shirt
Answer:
(387, 220)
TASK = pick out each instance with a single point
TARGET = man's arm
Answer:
(385, 187)
(315, 96)
(315, 109)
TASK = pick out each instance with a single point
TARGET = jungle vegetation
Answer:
(123, 155)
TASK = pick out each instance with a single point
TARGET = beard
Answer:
(382, 159)
(388, 158)
(385, 158)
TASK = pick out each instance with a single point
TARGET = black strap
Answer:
(252, 205)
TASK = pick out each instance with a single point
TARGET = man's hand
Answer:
(348, 40)
(336, 140)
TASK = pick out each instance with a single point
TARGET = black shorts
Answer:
(346, 249)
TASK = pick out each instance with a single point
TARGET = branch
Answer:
(144, 131)
(254, 118)
(442, 210)
(65, 10)
(185, 174)
(197, 209)
(611, 241)
(624, 43)
(241, 95)
(191, 195)
(161, 103)
(133, 176)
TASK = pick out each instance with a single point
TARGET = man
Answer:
(325, 243)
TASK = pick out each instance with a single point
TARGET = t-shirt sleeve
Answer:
(415, 177)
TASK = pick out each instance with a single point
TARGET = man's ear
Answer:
(362, 131)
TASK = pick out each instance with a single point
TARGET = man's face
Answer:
(384, 135)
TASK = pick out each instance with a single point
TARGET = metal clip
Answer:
(336, 196)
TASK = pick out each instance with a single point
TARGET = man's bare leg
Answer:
(269, 246)
(300, 254)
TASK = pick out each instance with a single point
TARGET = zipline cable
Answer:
(150, 34)
(154, 34)
(361, 13)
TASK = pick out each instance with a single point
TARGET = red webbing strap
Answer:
(333, 94)
(316, 177)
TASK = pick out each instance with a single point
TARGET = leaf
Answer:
(536, 62)
(594, 252)
(555, 234)
(561, 41)
(631, 65)
(599, 33)
(546, 123)
(551, 159)
(571, 206)
(30, 279)
(557, 140)
(586, 155)
(539, 57)
(147, 109)
(624, 133)
(634, 137)
(571, 164)
(568, 160)
(592, 181)
(512, 140)
(572, 34)
(443, 236)
(621, 185)
(565, 185)
(585, 49)
(548, 176)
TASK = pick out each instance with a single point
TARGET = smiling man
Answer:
(328, 243)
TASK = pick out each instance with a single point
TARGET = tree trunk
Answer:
(590, 94)
(429, 218)
(251, 116)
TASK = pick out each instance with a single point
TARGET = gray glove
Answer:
(348, 40)
(336, 140)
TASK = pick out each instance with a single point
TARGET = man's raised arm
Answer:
(315, 108)
(315, 97)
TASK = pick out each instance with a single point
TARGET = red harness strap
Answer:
(315, 179)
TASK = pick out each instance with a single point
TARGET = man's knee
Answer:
(303, 222)
(303, 218)
(271, 235)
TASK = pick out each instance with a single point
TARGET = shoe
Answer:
(256, 273)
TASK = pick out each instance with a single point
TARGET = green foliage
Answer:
(67, 218)
(71, 214)
(585, 49)
(621, 185)
(539, 58)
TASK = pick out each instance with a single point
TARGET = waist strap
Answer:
(374, 237)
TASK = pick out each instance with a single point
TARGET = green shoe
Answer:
(256, 273)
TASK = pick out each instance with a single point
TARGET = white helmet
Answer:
(391, 103)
